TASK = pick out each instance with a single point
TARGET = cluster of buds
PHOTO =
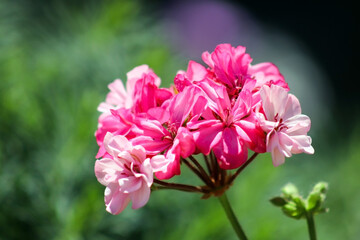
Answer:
(295, 206)
(222, 111)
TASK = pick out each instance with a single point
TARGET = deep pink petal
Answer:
(230, 152)
(208, 136)
(196, 71)
(186, 142)
(152, 145)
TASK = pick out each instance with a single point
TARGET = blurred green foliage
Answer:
(55, 63)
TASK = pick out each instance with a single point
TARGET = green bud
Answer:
(316, 198)
(290, 191)
(293, 205)
(291, 209)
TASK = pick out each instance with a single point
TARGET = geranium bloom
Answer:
(228, 108)
(127, 174)
(284, 124)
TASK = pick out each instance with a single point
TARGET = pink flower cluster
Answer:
(228, 107)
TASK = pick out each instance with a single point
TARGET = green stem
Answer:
(311, 226)
(231, 216)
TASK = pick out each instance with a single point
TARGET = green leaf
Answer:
(278, 201)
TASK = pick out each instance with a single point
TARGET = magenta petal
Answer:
(231, 152)
(196, 71)
(152, 145)
(186, 142)
(207, 137)
(160, 114)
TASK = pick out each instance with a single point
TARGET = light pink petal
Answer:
(140, 197)
(138, 153)
(277, 157)
(159, 163)
(285, 144)
(107, 170)
(302, 143)
(298, 125)
(133, 76)
(274, 99)
(267, 73)
(173, 168)
(147, 172)
(115, 201)
(292, 107)
(125, 157)
(129, 184)
(115, 144)
(117, 95)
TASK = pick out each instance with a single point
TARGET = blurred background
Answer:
(57, 58)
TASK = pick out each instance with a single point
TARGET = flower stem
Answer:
(231, 216)
(311, 226)
(177, 186)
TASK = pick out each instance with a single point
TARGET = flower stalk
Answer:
(311, 226)
(231, 216)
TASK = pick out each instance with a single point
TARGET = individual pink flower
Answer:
(284, 124)
(127, 174)
(118, 97)
(229, 129)
(122, 106)
(195, 73)
(267, 74)
(167, 133)
(229, 64)
(231, 67)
